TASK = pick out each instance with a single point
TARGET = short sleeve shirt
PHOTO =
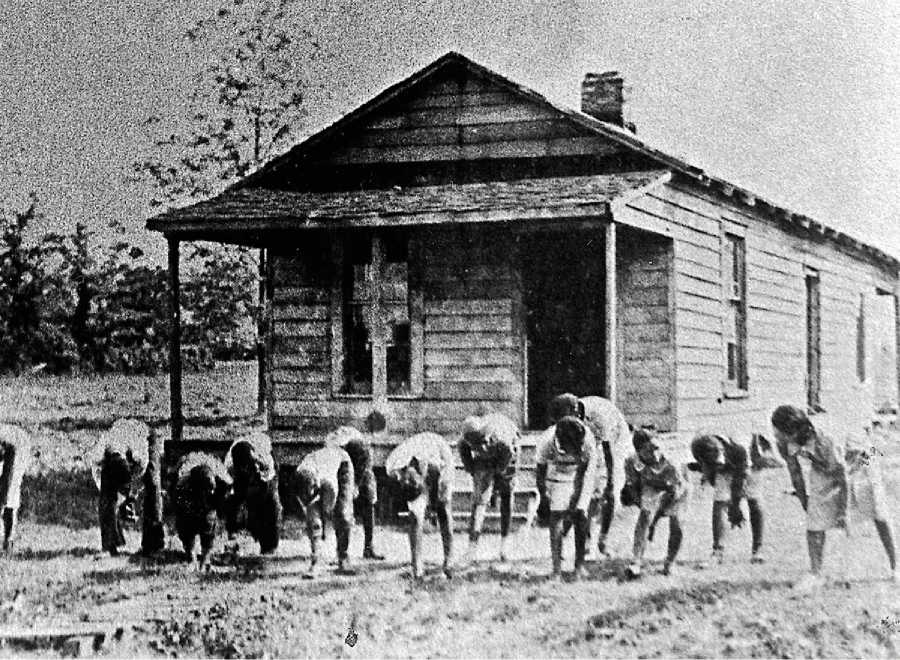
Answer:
(322, 465)
(430, 449)
(607, 422)
(501, 438)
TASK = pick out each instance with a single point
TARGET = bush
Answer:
(63, 309)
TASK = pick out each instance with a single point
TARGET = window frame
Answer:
(378, 319)
(734, 297)
(861, 352)
(813, 292)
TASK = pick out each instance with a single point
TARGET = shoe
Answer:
(758, 557)
(809, 583)
(667, 568)
(718, 556)
(634, 570)
(504, 555)
(580, 573)
(895, 576)
(345, 567)
(602, 553)
(369, 553)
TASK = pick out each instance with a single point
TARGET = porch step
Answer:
(525, 503)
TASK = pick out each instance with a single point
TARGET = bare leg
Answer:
(368, 521)
(675, 536)
(885, 533)
(476, 522)
(416, 521)
(640, 537)
(445, 521)
(9, 527)
(815, 543)
(557, 533)
(482, 490)
(187, 544)
(718, 525)
(206, 544)
(582, 528)
(342, 538)
(314, 532)
(757, 524)
(505, 510)
(607, 510)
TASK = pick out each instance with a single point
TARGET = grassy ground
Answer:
(489, 608)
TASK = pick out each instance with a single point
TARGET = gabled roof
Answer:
(172, 219)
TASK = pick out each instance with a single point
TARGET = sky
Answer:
(797, 101)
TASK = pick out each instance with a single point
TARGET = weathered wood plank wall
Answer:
(646, 368)
(471, 339)
(777, 261)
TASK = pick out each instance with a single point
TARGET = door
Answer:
(563, 294)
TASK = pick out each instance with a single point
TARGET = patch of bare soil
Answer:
(265, 608)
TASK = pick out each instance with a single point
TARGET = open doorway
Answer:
(563, 276)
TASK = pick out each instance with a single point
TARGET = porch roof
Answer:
(256, 210)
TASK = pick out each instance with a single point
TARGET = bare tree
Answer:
(248, 103)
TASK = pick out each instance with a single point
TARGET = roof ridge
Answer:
(605, 129)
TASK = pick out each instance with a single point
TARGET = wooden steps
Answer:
(73, 641)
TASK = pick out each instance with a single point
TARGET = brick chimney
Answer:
(602, 97)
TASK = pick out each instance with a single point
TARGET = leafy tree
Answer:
(33, 297)
(218, 298)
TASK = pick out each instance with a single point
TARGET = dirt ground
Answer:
(57, 576)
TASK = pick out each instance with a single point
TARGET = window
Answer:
(376, 308)
(358, 299)
(861, 339)
(813, 333)
(735, 293)
(395, 306)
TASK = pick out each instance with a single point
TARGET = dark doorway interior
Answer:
(563, 281)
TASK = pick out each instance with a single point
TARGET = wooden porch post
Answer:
(611, 316)
(260, 336)
(175, 343)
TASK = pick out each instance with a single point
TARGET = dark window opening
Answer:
(376, 313)
(813, 331)
(395, 309)
(357, 301)
(734, 269)
(861, 340)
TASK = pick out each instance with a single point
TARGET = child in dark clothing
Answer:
(726, 467)
(660, 489)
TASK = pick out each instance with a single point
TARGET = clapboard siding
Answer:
(645, 361)
(462, 118)
(462, 324)
(299, 362)
(471, 342)
(467, 134)
(776, 261)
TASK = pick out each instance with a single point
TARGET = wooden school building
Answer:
(459, 244)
